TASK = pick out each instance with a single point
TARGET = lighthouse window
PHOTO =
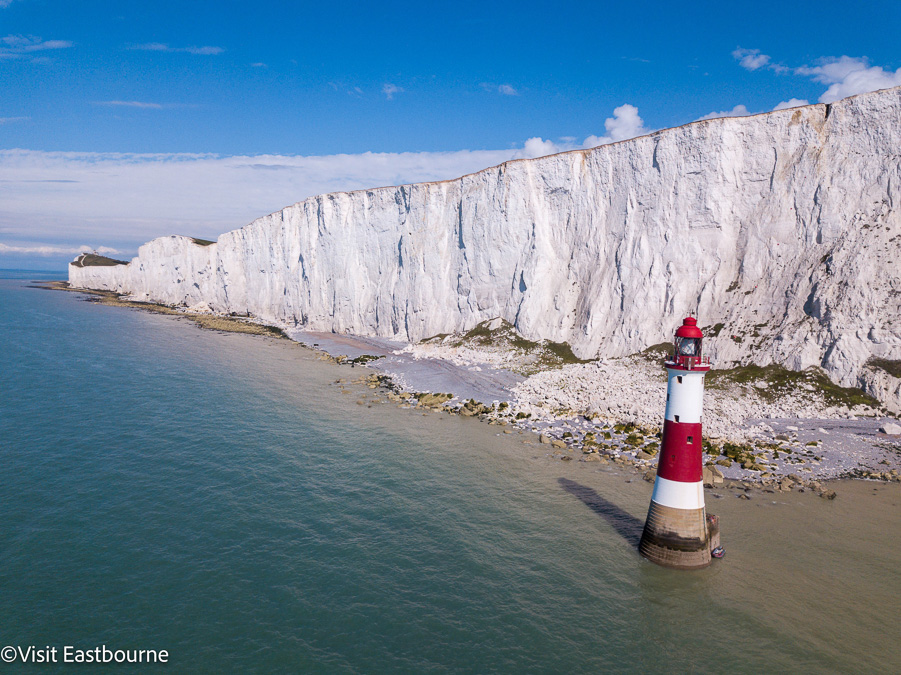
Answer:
(688, 346)
(677, 417)
(679, 378)
(691, 439)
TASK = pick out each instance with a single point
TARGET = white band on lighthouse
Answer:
(678, 495)
(684, 396)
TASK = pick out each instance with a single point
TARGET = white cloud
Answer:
(56, 250)
(258, 64)
(151, 47)
(505, 89)
(389, 90)
(848, 75)
(5, 3)
(21, 46)
(30, 43)
(162, 47)
(832, 70)
(203, 51)
(123, 200)
(791, 103)
(8, 120)
(624, 124)
(132, 104)
(751, 59)
(538, 147)
(738, 111)
(845, 75)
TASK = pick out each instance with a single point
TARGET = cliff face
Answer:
(785, 227)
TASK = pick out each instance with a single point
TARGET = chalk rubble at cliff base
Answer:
(634, 389)
(617, 405)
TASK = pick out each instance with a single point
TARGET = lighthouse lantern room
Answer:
(678, 532)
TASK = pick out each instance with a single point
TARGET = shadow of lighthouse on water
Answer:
(626, 525)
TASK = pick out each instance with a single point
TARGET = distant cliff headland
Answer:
(782, 231)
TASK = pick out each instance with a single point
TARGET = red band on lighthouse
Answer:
(680, 452)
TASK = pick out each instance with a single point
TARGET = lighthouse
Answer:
(678, 533)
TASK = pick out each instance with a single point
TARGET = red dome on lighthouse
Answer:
(687, 347)
(689, 328)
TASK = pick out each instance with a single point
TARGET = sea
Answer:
(217, 496)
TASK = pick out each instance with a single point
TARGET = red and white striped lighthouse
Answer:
(677, 532)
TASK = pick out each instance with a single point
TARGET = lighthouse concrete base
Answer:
(677, 538)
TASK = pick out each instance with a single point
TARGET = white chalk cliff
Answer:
(785, 227)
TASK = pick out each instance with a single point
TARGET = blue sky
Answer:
(143, 92)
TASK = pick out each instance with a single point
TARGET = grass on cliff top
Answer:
(782, 382)
(657, 355)
(890, 366)
(658, 352)
(93, 260)
(202, 242)
(498, 334)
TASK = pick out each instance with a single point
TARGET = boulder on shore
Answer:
(711, 476)
(890, 429)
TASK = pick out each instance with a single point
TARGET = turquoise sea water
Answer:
(215, 495)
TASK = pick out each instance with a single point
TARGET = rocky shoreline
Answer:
(767, 432)
(605, 412)
(566, 446)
